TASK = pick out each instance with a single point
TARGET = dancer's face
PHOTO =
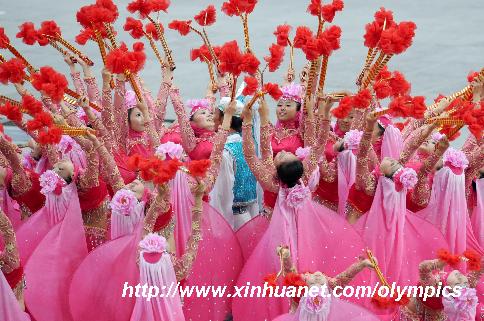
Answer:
(137, 188)
(64, 169)
(316, 278)
(389, 166)
(136, 120)
(345, 123)
(377, 133)
(283, 157)
(286, 110)
(217, 118)
(428, 147)
(203, 118)
(456, 278)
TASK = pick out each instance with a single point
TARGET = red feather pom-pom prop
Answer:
(154, 169)
(206, 17)
(121, 60)
(474, 260)
(51, 136)
(362, 99)
(84, 36)
(382, 89)
(134, 27)
(202, 53)
(103, 11)
(398, 38)
(199, 168)
(182, 26)
(52, 83)
(303, 35)
(143, 7)
(329, 40)
(276, 56)
(447, 257)
(249, 63)
(11, 111)
(41, 119)
(47, 28)
(238, 7)
(344, 108)
(151, 30)
(251, 85)
(273, 90)
(282, 35)
(295, 280)
(4, 40)
(31, 105)
(160, 5)
(230, 58)
(328, 11)
(27, 33)
(12, 71)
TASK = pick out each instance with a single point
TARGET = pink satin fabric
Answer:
(50, 268)
(9, 306)
(399, 239)
(304, 230)
(11, 208)
(336, 311)
(478, 213)
(392, 144)
(447, 210)
(162, 275)
(346, 177)
(251, 233)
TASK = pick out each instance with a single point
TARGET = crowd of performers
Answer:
(105, 193)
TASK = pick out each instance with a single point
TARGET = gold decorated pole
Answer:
(377, 67)
(378, 271)
(234, 88)
(18, 55)
(127, 73)
(322, 74)
(2, 59)
(75, 95)
(254, 99)
(381, 112)
(164, 44)
(455, 130)
(70, 100)
(56, 46)
(102, 50)
(155, 49)
(75, 131)
(370, 56)
(213, 82)
(4, 99)
(245, 24)
(73, 49)
(210, 48)
(311, 78)
(291, 57)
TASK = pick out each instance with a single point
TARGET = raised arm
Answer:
(150, 129)
(414, 141)
(9, 258)
(476, 162)
(160, 206)
(75, 75)
(108, 169)
(265, 132)
(120, 114)
(365, 181)
(184, 264)
(474, 276)
(189, 141)
(264, 172)
(421, 193)
(89, 178)
(20, 181)
(345, 277)
(162, 98)
(327, 169)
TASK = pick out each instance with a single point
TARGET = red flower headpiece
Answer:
(51, 82)
(12, 71)
(206, 17)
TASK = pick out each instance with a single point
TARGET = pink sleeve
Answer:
(216, 158)
(92, 90)
(160, 105)
(78, 83)
(365, 181)
(119, 113)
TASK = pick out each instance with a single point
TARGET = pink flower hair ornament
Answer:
(197, 104)
(405, 178)
(456, 160)
(293, 92)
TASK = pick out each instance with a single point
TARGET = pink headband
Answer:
(197, 104)
(293, 92)
(130, 99)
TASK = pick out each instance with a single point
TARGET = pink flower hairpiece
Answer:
(153, 243)
(436, 137)
(123, 202)
(405, 178)
(456, 160)
(292, 91)
(303, 152)
(352, 139)
(196, 104)
(130, 99)
(171, 150)
(51, 182)
(297, 195)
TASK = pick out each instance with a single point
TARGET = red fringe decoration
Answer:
(11, 111)
(199, 168)
(273, 90)
(276, 56)
(238, 7)
(31, 105)
(51, 82)
(282, 34)
(206, 17)
(27, 33)
(182, 26)
(12, 71)
(251, 86)
(134, 27)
